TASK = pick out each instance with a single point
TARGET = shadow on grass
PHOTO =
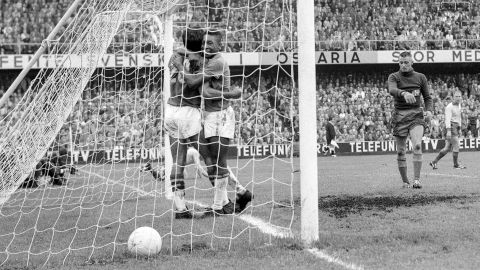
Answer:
(342, 206)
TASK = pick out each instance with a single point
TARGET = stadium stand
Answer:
(341, 25)
(397, 25)
(360, 102)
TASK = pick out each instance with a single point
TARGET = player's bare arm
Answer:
(210, 92)
(177, 62)
(195, 80)
(191, 80)
(175, 84)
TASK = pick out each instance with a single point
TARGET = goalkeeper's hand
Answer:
(409, 97)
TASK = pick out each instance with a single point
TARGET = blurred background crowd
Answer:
(130, 115)
(261, 25)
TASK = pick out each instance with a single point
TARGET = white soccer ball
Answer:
(145, 241)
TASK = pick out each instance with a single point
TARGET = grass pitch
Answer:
(366, 219)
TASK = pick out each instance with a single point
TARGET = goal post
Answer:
(167, 53)
(308, 121)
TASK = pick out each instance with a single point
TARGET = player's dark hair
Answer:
(214, 32)
(193, 38)
(405, 54)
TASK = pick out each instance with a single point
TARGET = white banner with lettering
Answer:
(19, 61)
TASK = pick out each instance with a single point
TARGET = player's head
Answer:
(405, 61)
(329, 117)
(457, 97)
(193, 38)
(212, 42)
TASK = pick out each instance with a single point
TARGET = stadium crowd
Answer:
(397, 24)
(266, 26)
(129, 115)
(360, 103)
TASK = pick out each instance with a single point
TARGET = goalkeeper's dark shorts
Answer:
(405, 120)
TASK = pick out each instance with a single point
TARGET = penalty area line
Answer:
(257, 223)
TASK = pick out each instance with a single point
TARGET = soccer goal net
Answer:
(85, 153)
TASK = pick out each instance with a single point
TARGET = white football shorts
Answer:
(220, 123)
(182, 122)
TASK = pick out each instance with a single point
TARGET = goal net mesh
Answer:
(100, 111)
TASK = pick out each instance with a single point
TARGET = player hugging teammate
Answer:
(200, 72)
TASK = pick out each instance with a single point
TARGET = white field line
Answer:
(322, 255)
(425, 175)
(258, 223)
(285, 233)
(453, 175)
(267, 228)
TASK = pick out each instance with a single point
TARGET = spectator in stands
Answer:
(353, 25)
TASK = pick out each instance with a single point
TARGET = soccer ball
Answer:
(145, 241)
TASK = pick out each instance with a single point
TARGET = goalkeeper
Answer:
(330, 137)
(408, 88)
(57, 166)
(54, 167)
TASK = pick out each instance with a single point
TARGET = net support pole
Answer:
(308, 121)
(167, 53)
(72, 144)
(38, 53)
